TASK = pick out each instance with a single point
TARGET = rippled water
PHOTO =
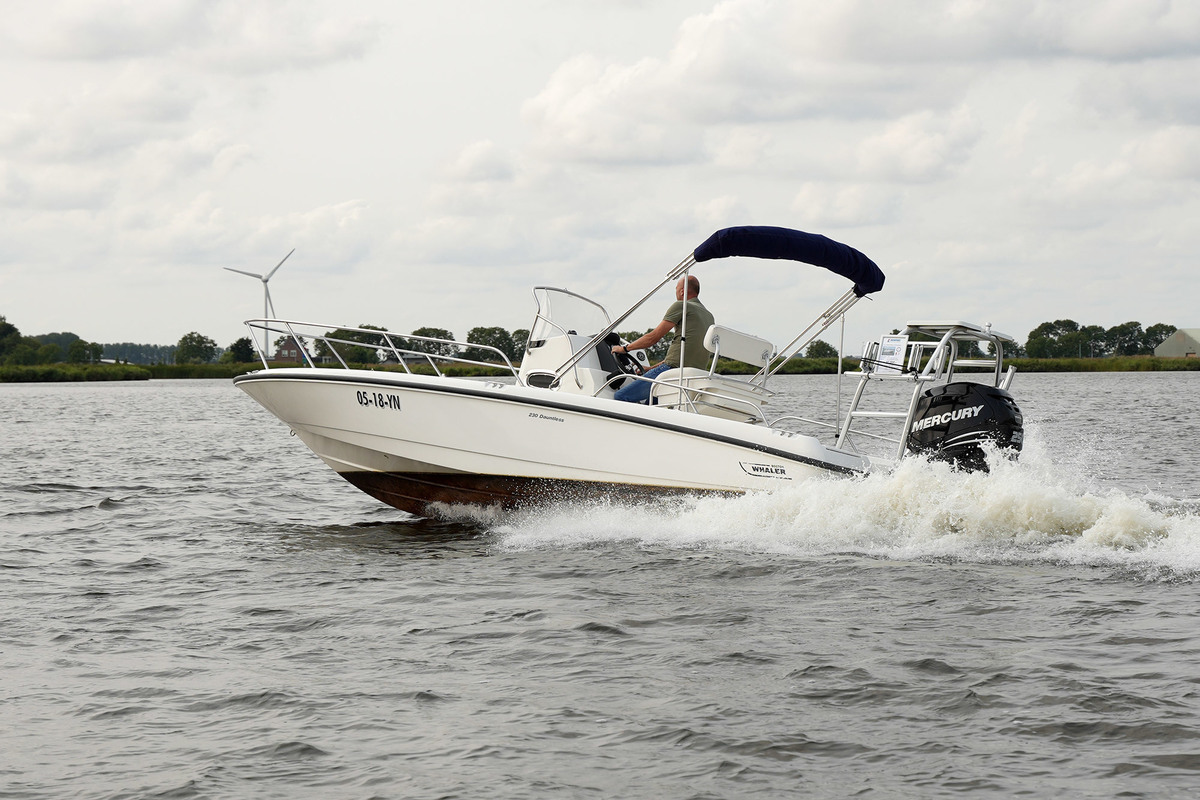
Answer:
(194, 606)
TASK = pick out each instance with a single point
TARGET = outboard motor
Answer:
(952, 421)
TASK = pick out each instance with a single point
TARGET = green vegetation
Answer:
(219, 370)
(1059, 346)
(240, 352)
(1110, 364)
(132, 353)
(820, 349)
(657, 351)
(440, 348)
(51, 348)
(354, 353)
(816, 366)
(497, 338)
(46, 373)
(1066, 338)
(195, 348)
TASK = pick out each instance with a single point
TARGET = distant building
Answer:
(1183, 343)
(288, 350)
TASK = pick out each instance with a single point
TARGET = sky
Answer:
(1003, 162)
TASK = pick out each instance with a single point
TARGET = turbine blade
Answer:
(270, 305)
(243, 272)
(280, 264)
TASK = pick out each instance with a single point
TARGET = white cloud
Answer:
(920, 147)
(975, 31)
(1128, 29)
(1170, 154)
(89, 30)
(1160, 91)
(718, 212)
(482, 161)
(748, 62)
(609, 114)
(1014, 135)
(758, 63)
(100, 119)
(476, 183)
(444, 163)
(53, 187)
(740, 147)
(152, 111)
(263, 36)
(226, 35)
(823, 205)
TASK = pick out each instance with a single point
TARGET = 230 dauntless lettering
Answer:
(949, 416)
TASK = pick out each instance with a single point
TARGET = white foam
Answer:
(1034, 509)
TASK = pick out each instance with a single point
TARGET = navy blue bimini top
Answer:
(760, 241)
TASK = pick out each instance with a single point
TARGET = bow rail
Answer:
(324, 345)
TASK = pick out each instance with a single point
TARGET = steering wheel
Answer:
(629, 364)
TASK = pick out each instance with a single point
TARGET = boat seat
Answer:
(725, 342)
(699, 390)
(713, 395)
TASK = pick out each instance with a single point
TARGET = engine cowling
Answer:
(952, 423)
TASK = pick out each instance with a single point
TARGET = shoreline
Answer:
(76, 373)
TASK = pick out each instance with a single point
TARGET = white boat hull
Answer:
(414, 440)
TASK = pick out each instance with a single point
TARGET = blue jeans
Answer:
(635, 391)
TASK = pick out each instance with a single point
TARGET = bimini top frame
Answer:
(766, 242)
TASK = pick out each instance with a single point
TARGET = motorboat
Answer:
(405, 429)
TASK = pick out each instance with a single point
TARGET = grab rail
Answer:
(397, 345)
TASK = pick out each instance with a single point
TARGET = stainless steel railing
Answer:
(331, 344)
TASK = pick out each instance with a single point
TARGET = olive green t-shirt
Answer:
(698, 321)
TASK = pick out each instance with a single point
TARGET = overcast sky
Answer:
(1009, 162)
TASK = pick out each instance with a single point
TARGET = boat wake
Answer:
(1032, 510)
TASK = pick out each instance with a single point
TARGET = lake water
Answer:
(195, 607)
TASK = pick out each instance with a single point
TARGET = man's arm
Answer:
(648, 339)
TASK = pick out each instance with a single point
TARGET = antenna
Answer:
(268, 306)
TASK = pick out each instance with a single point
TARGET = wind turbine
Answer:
(268, 306)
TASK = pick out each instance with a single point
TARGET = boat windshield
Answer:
(562, 312)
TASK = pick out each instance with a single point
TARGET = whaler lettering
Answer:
(765, 470)
(949, 416)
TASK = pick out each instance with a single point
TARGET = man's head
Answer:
(693, 284)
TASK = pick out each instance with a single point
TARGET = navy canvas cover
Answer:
(761, 241)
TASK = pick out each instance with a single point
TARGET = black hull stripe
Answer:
(667, 426)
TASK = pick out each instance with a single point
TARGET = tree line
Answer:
(1062, 338)
(17, 349)
(49, 348)
(1066, 338)
(134, 353)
